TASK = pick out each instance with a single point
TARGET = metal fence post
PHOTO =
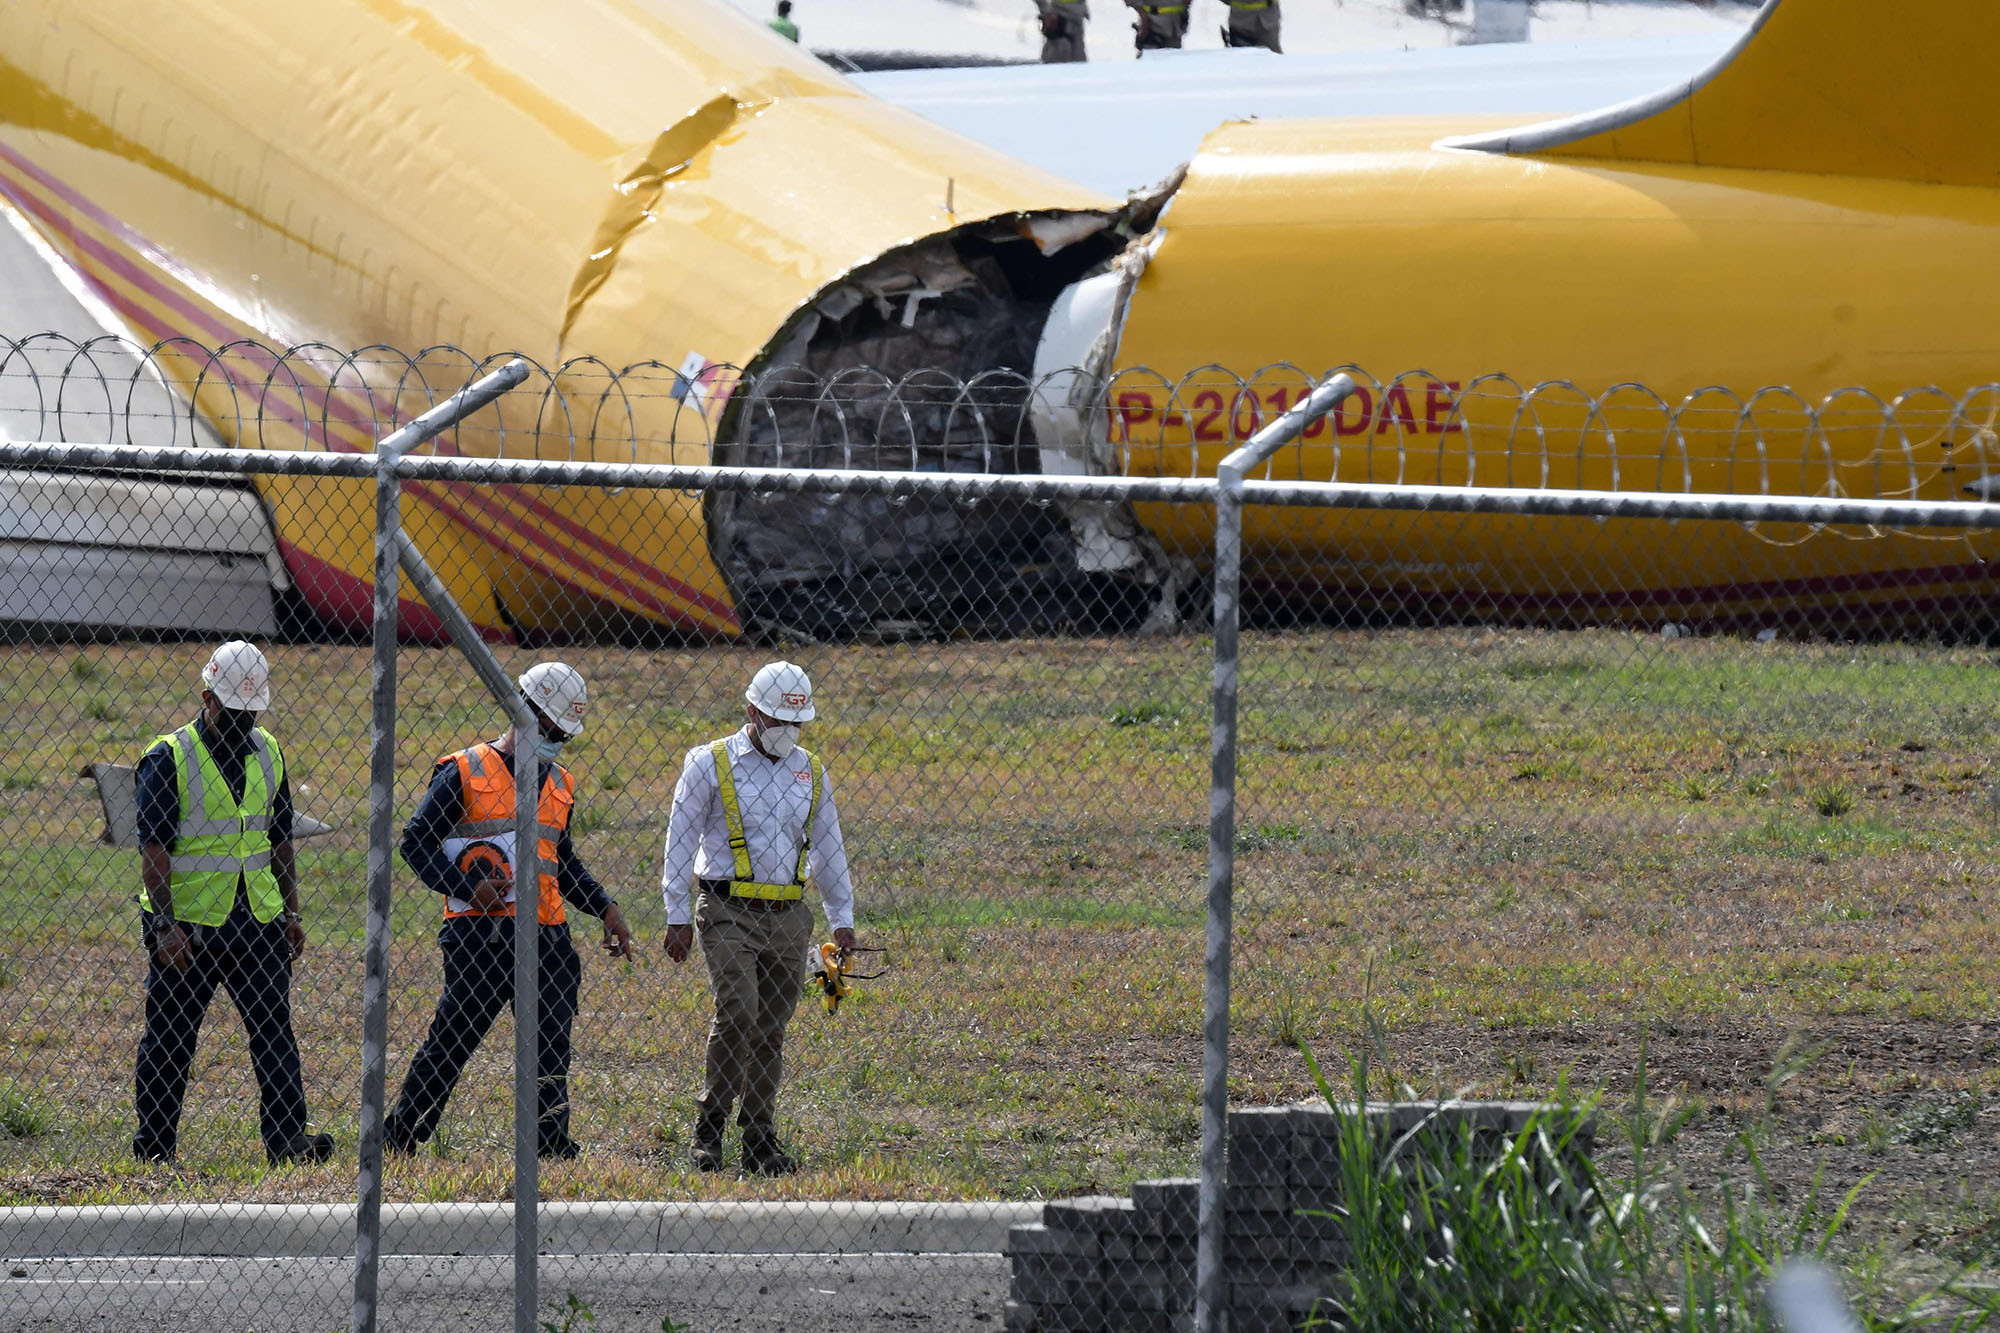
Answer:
(527, 1014)
(527, 1034)
(1208, 1302)
(381, 821)
(375, 950)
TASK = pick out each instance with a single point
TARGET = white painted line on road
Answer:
(109, 1281)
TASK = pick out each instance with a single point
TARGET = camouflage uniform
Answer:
(1253, 23)
(1062, 30)
(1161, 23)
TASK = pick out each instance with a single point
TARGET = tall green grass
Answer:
(1447, 1230)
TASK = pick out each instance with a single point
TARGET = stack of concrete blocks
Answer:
(1112, 1265)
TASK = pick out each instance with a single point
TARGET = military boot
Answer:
(763, 1155)
(707, 1151)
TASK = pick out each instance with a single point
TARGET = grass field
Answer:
(1774, 863)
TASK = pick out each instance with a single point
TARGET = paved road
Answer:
(626, 1293)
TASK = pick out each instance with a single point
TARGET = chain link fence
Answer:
(1524, 799)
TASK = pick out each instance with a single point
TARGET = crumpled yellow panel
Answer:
(632, 181)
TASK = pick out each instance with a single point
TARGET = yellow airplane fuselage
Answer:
(632, 182)
(663, 181)
(1323, 245)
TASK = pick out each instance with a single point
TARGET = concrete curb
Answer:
(326, 1230)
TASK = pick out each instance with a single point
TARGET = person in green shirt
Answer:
(783, 25)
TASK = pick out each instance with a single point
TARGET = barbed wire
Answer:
(1413, 427)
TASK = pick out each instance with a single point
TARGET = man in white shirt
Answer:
(753, 820)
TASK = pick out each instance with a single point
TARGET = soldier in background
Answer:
(1062, 30)
(1252, 23)
(1159, 26)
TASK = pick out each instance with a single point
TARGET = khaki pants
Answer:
(756, 971)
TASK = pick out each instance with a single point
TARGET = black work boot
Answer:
(301, 1148)
(763, 1155)
(707, 1151)
(396, 1139)
(148, 1150)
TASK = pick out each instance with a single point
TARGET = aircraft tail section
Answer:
(1837, 87)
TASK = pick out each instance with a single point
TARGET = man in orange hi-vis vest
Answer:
(461, 843)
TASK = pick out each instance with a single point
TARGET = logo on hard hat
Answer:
(796, 700)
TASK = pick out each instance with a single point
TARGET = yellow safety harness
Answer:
(743, 886)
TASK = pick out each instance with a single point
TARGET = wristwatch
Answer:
(291, 916)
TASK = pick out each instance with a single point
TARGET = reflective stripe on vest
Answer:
(486, 786)
(1249, 4)
(221, 839)
(743, 886)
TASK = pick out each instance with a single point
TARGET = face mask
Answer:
(233, 727)
(777, 739)
(546, 750)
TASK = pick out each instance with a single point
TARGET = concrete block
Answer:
(1257, 1198)
(1315, 1198)
(1259, 1122)
(1280, 1222)
(1085, 1315)
(1149, 1321)
(1038, 1238)
(1260, 1147)
(1148, 1249)
(1018, 1317)
(1040, 1283)
(1176, 1273)
(1155, 1293)
(1095, 1212)
(1260, 1318)
(1168, 1207)
(1313, 1176)
(1269, 1249)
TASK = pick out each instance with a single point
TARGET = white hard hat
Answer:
(239, 677)
(557, 689)
(782, 690)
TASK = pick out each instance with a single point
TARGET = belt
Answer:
(1249, 4)
(1164, 9)
(763, 902)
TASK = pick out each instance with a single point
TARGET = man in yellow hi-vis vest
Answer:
(753, 821)
(220, 906)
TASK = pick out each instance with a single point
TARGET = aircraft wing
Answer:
(1116, 127)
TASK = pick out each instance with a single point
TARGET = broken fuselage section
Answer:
(925, 360)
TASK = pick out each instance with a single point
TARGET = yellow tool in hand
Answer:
(834, 974)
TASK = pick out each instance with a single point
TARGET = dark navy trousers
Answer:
(253, 962)
(478, 984)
